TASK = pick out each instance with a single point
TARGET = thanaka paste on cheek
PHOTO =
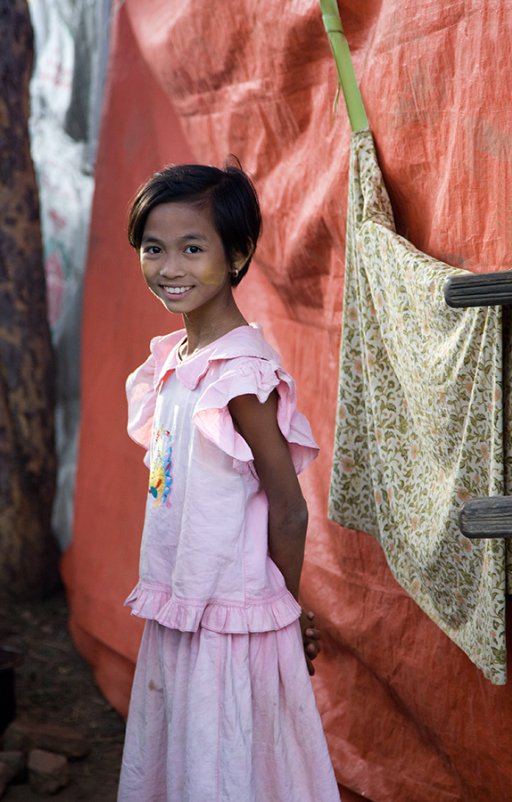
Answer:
(213, 279)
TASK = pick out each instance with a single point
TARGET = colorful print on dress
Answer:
(160, 477)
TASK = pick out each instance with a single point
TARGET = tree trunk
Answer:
(28, 552)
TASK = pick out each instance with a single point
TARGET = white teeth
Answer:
(176, 290)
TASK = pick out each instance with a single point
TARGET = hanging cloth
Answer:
(419, 426)
(420, 422)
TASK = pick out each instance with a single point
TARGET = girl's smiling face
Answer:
(183, 260)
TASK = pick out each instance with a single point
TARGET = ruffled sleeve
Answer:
(142, 387)
(141, 392)
(259, 377)
(141, 395)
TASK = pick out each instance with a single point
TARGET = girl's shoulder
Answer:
(244, 341)
(163, 345)
(244, 363)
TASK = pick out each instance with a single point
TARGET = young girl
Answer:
(222, 708)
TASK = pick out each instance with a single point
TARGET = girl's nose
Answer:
(170, 267)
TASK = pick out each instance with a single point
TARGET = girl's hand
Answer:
(311, 639)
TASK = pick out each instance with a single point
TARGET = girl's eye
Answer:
(150, 249)
(192, 249)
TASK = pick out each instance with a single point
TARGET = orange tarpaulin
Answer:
(408, 717)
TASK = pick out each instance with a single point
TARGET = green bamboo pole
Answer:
(346, 76)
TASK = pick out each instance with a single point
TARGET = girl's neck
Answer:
(202, 332)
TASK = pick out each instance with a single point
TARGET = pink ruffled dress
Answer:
(222, 707)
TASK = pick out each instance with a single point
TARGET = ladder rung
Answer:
(487, 516)
(479, 289)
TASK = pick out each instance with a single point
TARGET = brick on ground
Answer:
(48, 772)
(25, 735)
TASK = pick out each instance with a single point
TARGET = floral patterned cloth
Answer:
(420, 422)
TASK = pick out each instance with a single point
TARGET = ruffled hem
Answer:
(161, 605)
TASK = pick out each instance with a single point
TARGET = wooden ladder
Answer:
(486, 516)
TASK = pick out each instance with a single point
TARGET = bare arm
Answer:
(288, 514)
(287, 510)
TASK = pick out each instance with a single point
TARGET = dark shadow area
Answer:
(55, 686)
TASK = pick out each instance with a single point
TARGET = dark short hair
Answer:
(229, 193)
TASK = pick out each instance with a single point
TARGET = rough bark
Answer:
(28, 553)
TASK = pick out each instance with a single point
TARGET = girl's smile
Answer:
(176, 290)
(183, 259)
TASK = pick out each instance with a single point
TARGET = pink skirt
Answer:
(224, 718)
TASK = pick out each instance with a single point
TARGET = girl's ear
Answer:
(240, 259)
(238, 263)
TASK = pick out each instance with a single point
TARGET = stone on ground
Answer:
(25, 735)
(48, 772)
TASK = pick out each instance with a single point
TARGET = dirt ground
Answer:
(54, 684)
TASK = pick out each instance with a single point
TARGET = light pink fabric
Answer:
(224, 718)
(204, 557)
(222, 707)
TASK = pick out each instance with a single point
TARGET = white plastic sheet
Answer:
(71, 47)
